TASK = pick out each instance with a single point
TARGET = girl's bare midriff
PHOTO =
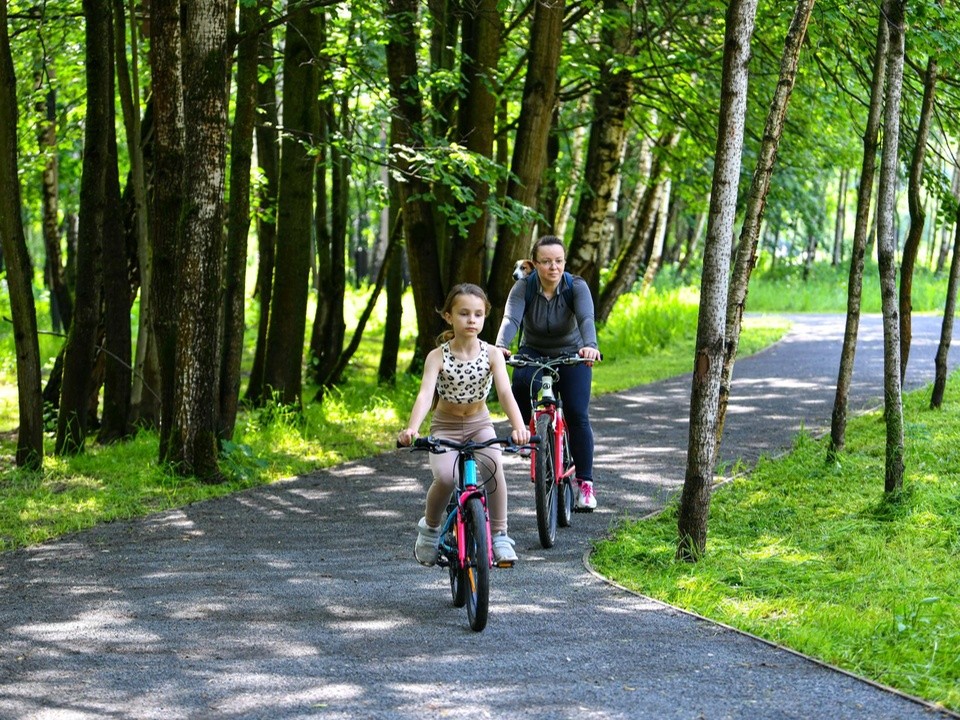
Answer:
(460, 410)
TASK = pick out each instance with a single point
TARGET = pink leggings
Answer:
(477, 427)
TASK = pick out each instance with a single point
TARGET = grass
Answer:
(816, 557)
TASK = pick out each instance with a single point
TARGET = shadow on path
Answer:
(302, 599)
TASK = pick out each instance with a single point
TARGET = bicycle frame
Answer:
(467, 488)
(550, 404)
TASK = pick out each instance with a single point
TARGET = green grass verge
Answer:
(816, 556)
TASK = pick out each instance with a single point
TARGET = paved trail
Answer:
(302, 600)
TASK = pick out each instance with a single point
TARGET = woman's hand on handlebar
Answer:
(521, 436)
(506, 351)
(589, 353)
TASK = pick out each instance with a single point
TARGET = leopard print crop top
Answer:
(462, 382)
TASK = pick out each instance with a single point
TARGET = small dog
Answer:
(522, 269)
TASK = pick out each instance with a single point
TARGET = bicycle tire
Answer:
(475, 576)
(567, 496)
(457, 589)
(545, 484)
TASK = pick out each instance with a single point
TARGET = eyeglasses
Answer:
(551, 263)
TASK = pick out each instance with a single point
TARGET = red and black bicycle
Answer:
(551, 464)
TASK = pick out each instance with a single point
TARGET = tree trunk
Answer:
(839, 225)
(918, 215)
(288, 315)
(168, 158)
(61, 304)
(80, 352)
(392, 323)
(238, 220)
(886, 251)
(708, 361)
(118, 370)
(945, 234)
(406, 130)
(268, 157)
(193, 441)
(29, 454)
(144, 403)
(659, 238)
(611, 101)
(838, 424)
(946, 329)
(746, 254)
(476, 128)
(529, 150)
(626, 268)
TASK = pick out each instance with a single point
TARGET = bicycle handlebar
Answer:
(439, 445)
(525, 361)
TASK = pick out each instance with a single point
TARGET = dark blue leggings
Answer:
(574, 390)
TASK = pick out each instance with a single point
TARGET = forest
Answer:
(165, 163)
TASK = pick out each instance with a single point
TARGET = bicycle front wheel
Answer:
(475, 575)
(567, 495)
(545, 483)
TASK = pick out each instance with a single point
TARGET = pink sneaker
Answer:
(586, 498)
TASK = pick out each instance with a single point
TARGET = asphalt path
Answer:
(302, 599)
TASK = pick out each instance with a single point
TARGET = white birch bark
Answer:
(708, 361)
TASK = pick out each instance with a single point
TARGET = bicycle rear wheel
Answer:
(457, 588)
(475, 576)
(545, 484)
(567, 495)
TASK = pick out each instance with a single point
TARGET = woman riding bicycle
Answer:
(556, 314)
(457, 377)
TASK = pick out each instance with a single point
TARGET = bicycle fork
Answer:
(471, 489)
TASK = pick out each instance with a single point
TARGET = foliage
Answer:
(783, 289)
(815, 557)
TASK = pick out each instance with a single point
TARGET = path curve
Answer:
(302, 600)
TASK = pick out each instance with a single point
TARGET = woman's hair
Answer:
(545, 240)
(455, 292)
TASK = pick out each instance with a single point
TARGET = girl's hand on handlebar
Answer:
(521, 437)
(406, 437)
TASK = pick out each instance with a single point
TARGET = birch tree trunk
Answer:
(918, 215)
(193, 443)
(708, 361)
(746, 254)
(886, 251)
(29, 453)
(611, 101)
(838, 423)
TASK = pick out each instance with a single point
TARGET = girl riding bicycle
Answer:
(457, 377)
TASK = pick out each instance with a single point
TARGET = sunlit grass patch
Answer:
(819, 558)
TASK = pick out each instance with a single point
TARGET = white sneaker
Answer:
(428, 544)
(503, 553)
(586, 498)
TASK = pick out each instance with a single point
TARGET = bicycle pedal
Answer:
(505, 563)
